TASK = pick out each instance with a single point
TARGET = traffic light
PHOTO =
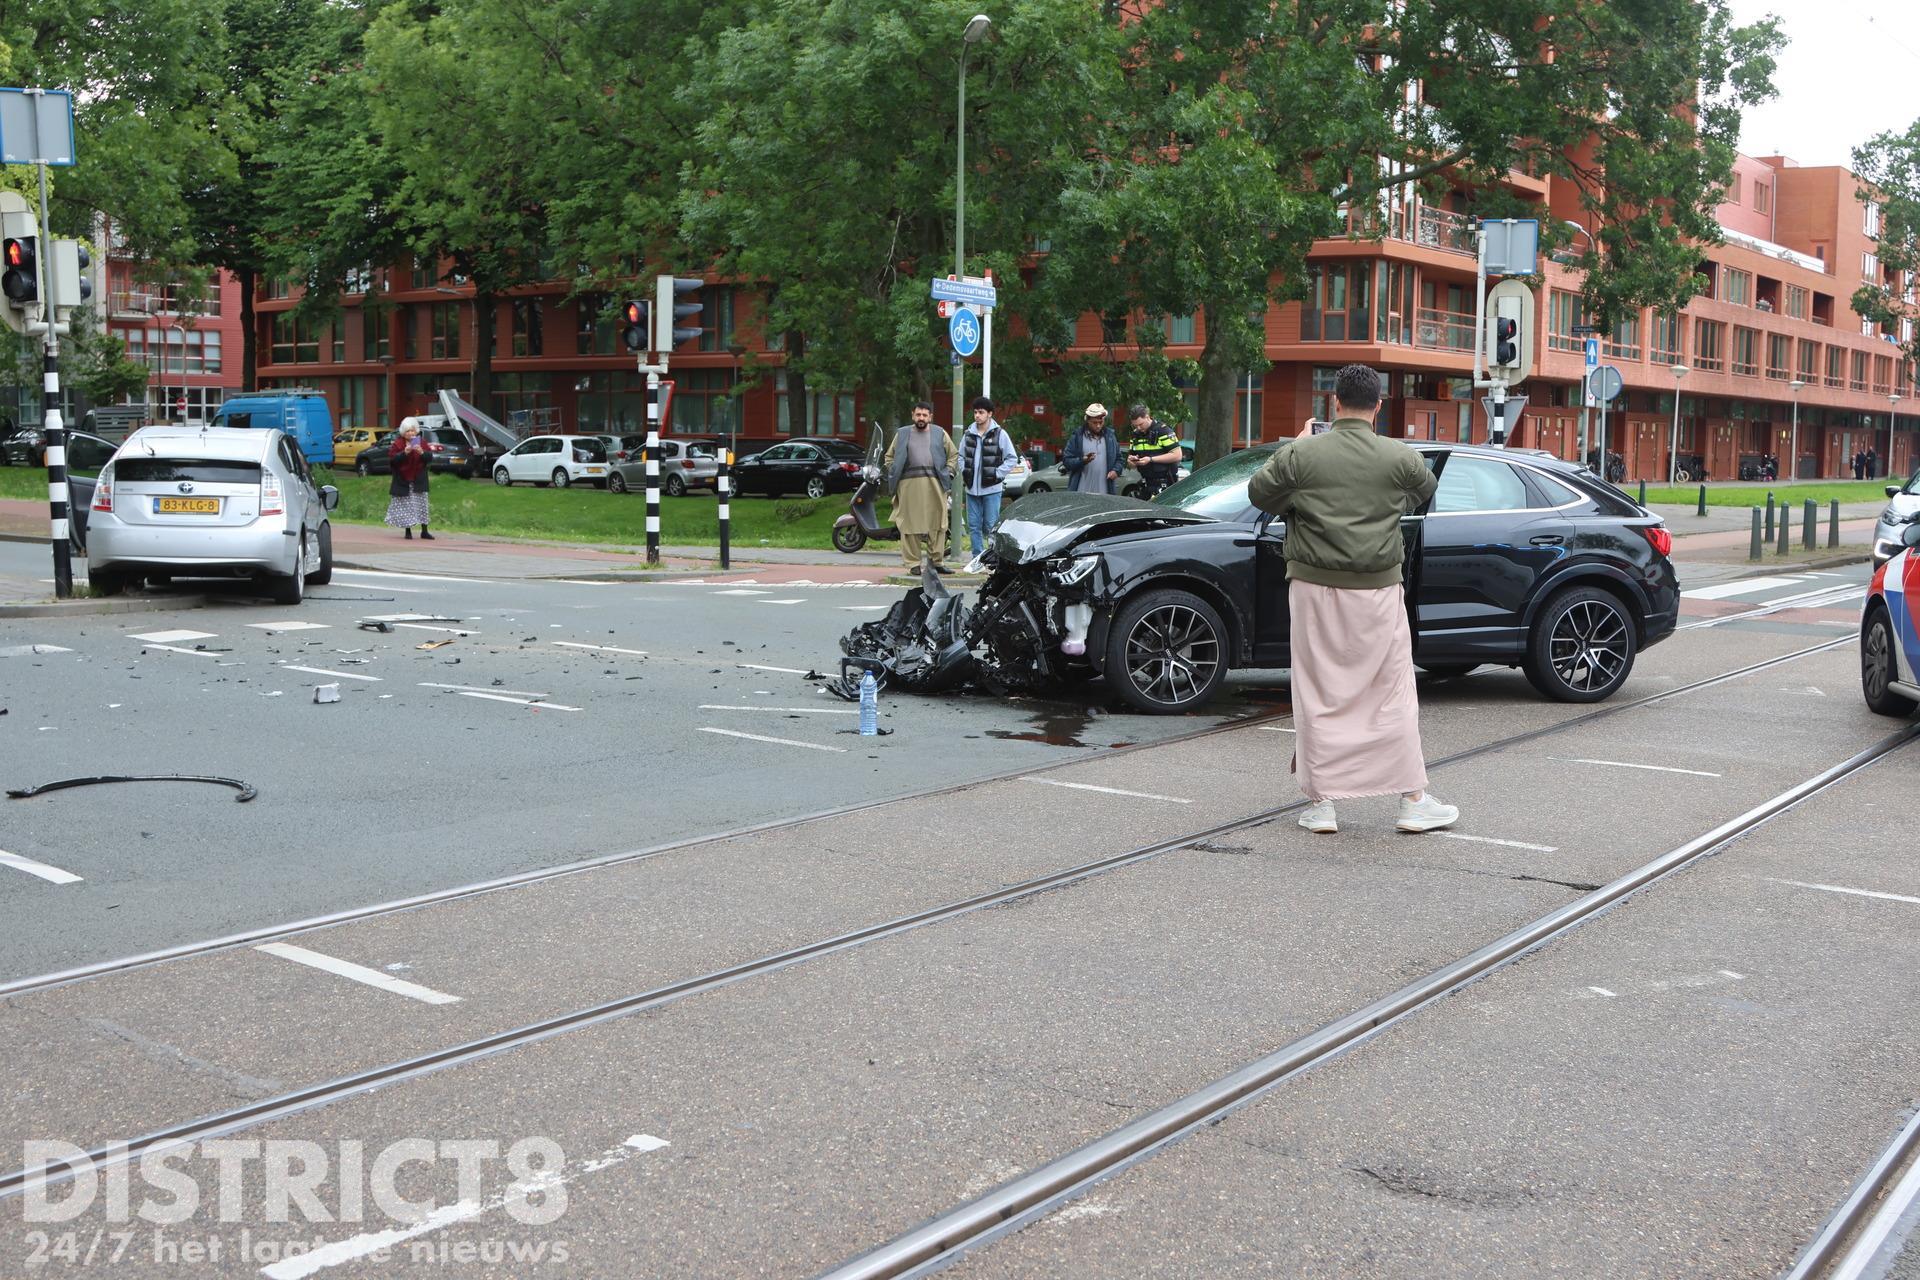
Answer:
(1506, 341)
(70, 285)
(634, 319)
(20, 280)
(667, 313)
(1509, 334)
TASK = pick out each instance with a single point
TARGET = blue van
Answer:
(304, 415)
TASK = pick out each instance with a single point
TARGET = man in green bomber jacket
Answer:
(1356, 714)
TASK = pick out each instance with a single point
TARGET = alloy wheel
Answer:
(1172, 655)
(1590, 646)
(1876, 661)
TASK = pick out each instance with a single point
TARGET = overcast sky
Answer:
(1849, 71)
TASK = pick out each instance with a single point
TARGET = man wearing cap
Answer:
(1092, 459)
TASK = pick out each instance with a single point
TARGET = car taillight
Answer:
(103, 492)
(436, 448)
(686, 464)
(849, 466)
(620, 455)
(1657, 535)
(272, 501)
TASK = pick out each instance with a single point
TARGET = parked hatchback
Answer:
(684, 465)
(559, 461)
(448, 451)
(210, 502)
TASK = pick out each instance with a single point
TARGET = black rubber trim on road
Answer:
(246, 790)
(265, 1109)
(942, 1240)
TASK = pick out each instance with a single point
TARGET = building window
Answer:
(296, 340)
(1336, 308)
(357, 279)
(276, 289)
(1796, 302)
(716, 320)
(1762, 197)
(528, 330)
(594, 325)
(363, 402)
(1871, 219)
(446, 331)
(1624, 342)
(426, 273)
(1564, 311)
(1746, 351)
(1870, 268)
(1733, 190)
(376, 333)
(1738, 286)
(1779, 355)
(1809, 367)
(1836, 361)
(1179, 329)
(1666, 339)
(1882, 375)
(1709, 345)
(829, 413)
(1858, 382)
(703, 401)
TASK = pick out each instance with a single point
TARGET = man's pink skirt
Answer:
(1356, 716)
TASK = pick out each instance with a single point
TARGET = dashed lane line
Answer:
(30, 650)
(172, 637)
(474, 688)
(1111, 791)
(322, 671)
(52, 875)
(795, 711)
(1628, 764)
(779, 742)
(755, 666)
(1839, 888)
(536, 703)
(599, 648)
(1510, 844)
(290, 625)
(357, 973)
(415, 577)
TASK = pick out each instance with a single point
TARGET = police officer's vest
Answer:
(1155, 439)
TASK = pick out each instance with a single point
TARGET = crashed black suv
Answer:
(1520, 560)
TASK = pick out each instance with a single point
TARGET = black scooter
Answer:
(861, 525)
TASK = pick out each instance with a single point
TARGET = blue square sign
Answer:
(1593, 353)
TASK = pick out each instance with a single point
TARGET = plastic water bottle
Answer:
(869, 706)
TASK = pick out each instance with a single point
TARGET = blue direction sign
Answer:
(977, 292)
(1593, 353)
(963, 330)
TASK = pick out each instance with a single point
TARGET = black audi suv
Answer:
(1520, 559)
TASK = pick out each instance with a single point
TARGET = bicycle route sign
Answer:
(963, 330)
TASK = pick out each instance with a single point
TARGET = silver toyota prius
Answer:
(210, 502)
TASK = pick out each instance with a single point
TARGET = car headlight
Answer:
(1069, 572)
(977, 565)
(1884, 550)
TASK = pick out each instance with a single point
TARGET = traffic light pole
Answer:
(57, 493)
(653, 463)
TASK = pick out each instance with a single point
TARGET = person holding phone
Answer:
(407, 504)
(1092, 458)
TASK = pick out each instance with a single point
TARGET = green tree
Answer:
(97, 364)
(1889, 169)
(1245, 132)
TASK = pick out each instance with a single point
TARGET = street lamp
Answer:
(1673, 438)
(1793, 449)
(1892, 400)
(975, 32)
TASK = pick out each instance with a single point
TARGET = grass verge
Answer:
(1755, 495)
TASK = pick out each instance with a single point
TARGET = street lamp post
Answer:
(1673, 437)
(975, 32)
(1892, 400)
(1793, 447)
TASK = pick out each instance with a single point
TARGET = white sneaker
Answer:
(1426, 814)
(1319, 819)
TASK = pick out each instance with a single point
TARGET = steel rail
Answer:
(265, 1109)
(1824, 1254)
(1809, 600)
(1022, 1200)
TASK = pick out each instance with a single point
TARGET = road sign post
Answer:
(1602, 385)
(969, 329)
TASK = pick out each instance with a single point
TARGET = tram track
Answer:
(1853, 1237)
(1023, 1200)
(305, 1098)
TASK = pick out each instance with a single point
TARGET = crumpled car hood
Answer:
(1047, 523)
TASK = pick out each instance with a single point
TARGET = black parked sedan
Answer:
(813, 467)
(1519, 560)
(447, 451)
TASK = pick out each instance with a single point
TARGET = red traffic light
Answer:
(16, 254)
(633, 313)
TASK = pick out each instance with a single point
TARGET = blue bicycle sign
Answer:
(963, 330)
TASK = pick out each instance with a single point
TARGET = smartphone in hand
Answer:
(1319, 426)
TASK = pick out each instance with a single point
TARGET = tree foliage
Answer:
(1889, 166)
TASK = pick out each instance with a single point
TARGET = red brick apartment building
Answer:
(1774, 309)
(190, 346)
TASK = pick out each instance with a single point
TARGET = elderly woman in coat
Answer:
(408, 504)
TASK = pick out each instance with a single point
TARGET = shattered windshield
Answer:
(1218, 489)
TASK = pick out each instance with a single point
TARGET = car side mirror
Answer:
(1893, 491)
(1268, 523)
(1910, 536)
(329, 496)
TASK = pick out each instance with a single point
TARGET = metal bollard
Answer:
(1833, 524)
(723, 486)
(1786, 530)
(1643, 493)
(1703, 501)
(1810, 525)
(1753, 550)
(1769, 515)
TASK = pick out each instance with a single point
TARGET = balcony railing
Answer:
(1443, 330)
(1429, 226)
(135, 302)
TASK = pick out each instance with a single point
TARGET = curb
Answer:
(604, 575)
(40, 538)
(114, 604)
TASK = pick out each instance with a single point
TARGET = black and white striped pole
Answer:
(723, 487)
(653, 466)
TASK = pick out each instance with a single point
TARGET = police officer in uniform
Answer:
(1153, 450)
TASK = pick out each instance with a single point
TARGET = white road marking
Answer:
(1804, 691)
(1737, 977)
(29, 650)
(421, 626)
(288, 626)
(785, 671)
(1510, 844)
(172, 637)
(796, 600)
(1696, 980)
(197, 653)
(798, 711)
(584, 582)
(474, 688)
(1836, 888)
(525, 702)
(357, 973)
(865, 608)
(322, 671)
(1628, 764)
(1824, 595)
(739, 592)
(1736, 588)
(1274, 728)
(1602, 991)
(412, 617)
(1112, 791)
(600, 648)
(779, 742)
(299, 1266)
(378, 586)
(52, 875)
(416, 577)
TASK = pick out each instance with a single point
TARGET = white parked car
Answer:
(210, 502)
(556, 460)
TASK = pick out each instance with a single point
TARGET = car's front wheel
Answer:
(1039, 487)
(1582, 646)
(321, 576)
(105, 582)
(617, 483)
(1877, 668)
(363, 467)
(1166, 651)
